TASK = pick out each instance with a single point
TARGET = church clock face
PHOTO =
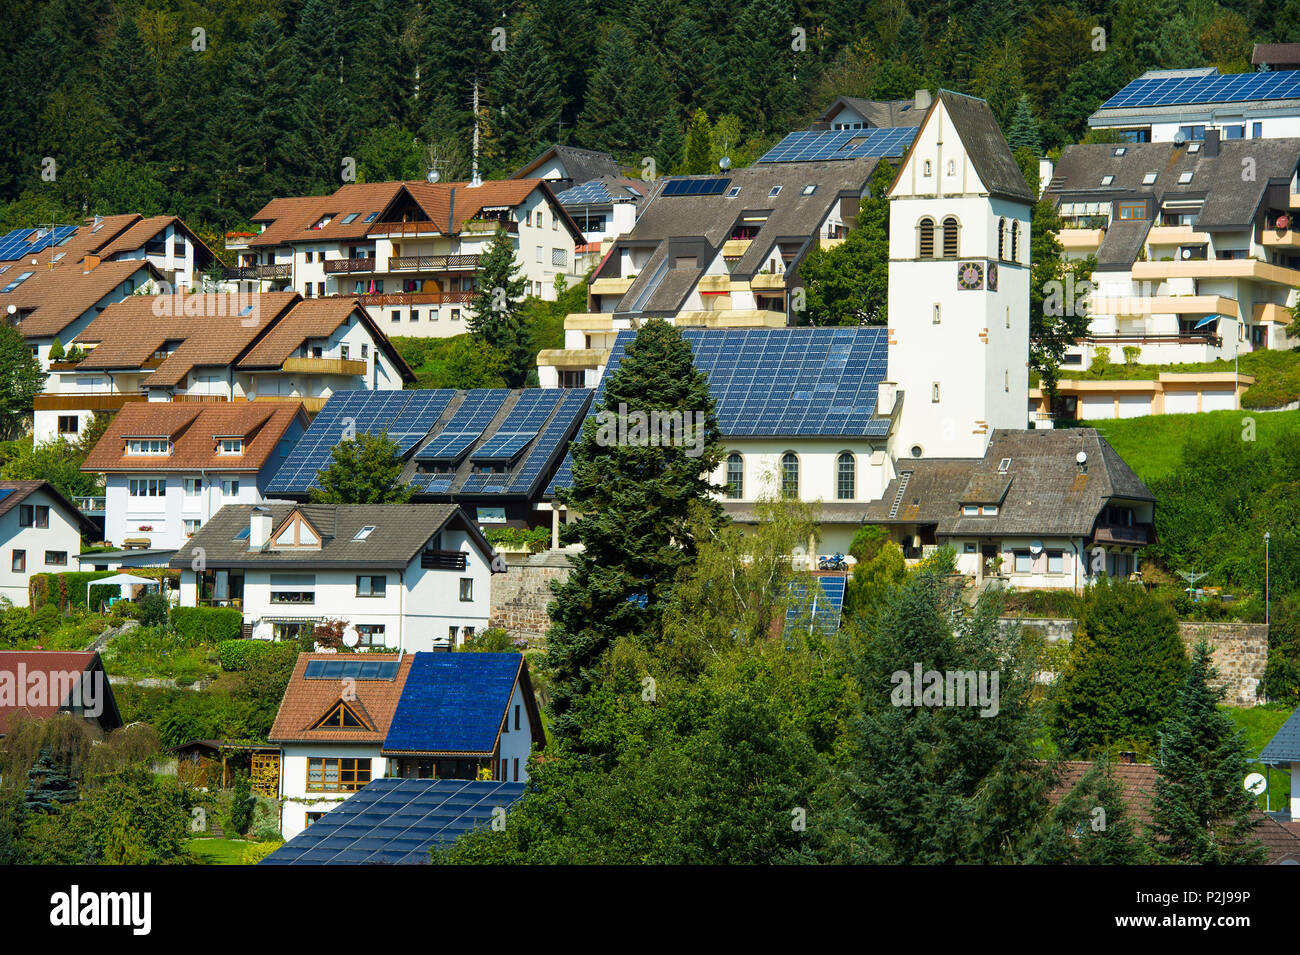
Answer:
(970, 275)
(993, 277)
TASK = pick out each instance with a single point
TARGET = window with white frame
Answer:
(193, 487)
(1024, 562)
(371, 635)
(230, 446)
(467, 589)
(1055, 562)
(148, 446)
(230, 487)
(146, 487)
(372, 585)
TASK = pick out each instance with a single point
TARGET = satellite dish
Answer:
(1180, 137)
(1081, 458)
(11, 309)
(350, 636)
(1035, 547)
(1255, 784)
(433, 175)
(1187, 253)
(1283, 222)
(724, 163)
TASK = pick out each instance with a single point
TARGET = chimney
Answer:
(886, 393)
(89, 263)
(1211, 147)
(921, 100)
(259, 528)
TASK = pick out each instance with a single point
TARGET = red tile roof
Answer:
(306, 701)
(14, 689)
(53, 298)
(194, 429)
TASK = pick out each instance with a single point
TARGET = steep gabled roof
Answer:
(454, 703)
(1284, 747)
(194, 430)
(580, 164)
(52, 299)
(58, 670)
(984, 143)
(13, 493)
(306, 701)
(880, 113)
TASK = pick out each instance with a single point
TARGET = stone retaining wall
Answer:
(520, 595)
(1240, 650)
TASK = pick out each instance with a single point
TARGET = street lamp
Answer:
(1266, 537)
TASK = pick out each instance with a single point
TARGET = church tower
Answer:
(958, 284)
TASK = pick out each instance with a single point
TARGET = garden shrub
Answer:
(259, 851)
(153, 609)
(206, 625)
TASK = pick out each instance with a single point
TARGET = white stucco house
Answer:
(169, 467)
(349, 718)
(40, 532)
(406, 576)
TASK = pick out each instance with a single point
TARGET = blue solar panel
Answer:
(822, 145)
(397, 821)
(818, 606)
(711, 186)
(589, 193)
(1212, 88)
(466, 425)
(566, 420)
(345, 669)
(453, 703)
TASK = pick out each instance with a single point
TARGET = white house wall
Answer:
(61, 536)
(293, 779)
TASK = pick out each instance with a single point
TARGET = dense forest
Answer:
(209, 110)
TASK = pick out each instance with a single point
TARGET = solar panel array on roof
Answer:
(818, 606)
(694, 187)
(453, 703)
(779, 382)
(397, 821)
(1214, 88)
(24, 242)
(589, 193)
(466, 425)
(821, 145)
(570, 410)
(406, 416)
(351, 670)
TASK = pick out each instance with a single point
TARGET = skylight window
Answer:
(324, 221)
(1120, 150)
(776, 191)
(17, 282)
(733, 192)
(1148, 179)
(809, 189)
(370, 217)
(364, 532)
(1003, 465)
(246, 310)
(242, 535)
(1184, 178)
(1193, 147)
(1107, 180)
(350, 217)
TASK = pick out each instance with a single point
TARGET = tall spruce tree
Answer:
(496, 312)
(1023, 130)
(641, 503)
(1126, 665)
(526, 93)
(697, 158)
(1093, 824)
(1201, 814)
(50, 784)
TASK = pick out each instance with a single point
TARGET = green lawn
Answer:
(1152, 445)
(220, 851)
(1259, 724)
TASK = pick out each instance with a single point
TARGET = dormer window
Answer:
(148, 446)
(230, 446)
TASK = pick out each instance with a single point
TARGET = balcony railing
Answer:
(442, 560)
(380, 299)
(333, 266)
(1136, 535)
(282, 271)
(89, 401)
(325, 366)
(91, 505)
(489, 225)
(1138, 338)
(434, 263)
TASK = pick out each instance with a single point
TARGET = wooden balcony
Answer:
(324, 366)
(442, 560)
(311, 405)
(1139, 338)
(334, 266)
(199, 399)
(89, 401)
(282, 271)
(490, 225)
(380, 299)
(433, 263)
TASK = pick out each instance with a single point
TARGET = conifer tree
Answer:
(1023, 131)
(697, 159)
(1093, 824)
(527, 96)
(496, 313)
(642, 504)
(1201, 813)
(49, 784)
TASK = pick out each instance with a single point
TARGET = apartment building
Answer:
(1196, 252)
(408, 252)
(270, 346)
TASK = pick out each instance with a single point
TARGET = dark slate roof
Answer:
(582, 165)
(882, 113)
(1046, 493)
(988, 150)
(1230, 201)
(453, 703)
(401, 531)
(1284, 747)
(397, 821)
(1275, 54)
(1123, 240)
(13, 493)
(791, 217)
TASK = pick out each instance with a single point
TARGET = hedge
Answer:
(206, 625)
(241, 654)
(69, 590)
